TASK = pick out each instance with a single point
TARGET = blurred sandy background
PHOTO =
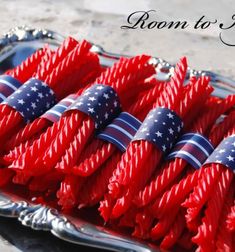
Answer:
(99, 21)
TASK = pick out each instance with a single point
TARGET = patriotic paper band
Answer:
(100, 102)
(192, 147)
(121, 131)
(8, 85)
(32, 99)
(162, 127)
(55, 112)
(224, 153)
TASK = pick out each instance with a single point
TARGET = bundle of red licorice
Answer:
(156, 157)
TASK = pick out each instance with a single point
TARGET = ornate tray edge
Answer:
(43, 218)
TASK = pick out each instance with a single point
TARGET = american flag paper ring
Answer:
(121, 131)
(8, 85)
(193, 148)
(32, 99)
(55, 112)
(224, 153)
(100, 102)
(162, 127)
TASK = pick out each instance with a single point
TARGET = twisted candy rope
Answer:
(29, 66)
(72, 150)
(27, 133)
(19, 150)
(178, 192)
(203, 190)
(82, 134)
(103, 175)
(205, 238)
(26, 154)
(132, 160)
(164, 224)
(26, 70)
(185, 185)
(22, 155)
(24, 160)
(162, 216)
(224, 237)
(95, 187)
(175, 232)
(45, 68)
(97, 155)
(127, 156)
(175, 195)
(30, 132)
(207, 229)
(95, 160)
(173, 168)
(118, 77)
(78, 57)
(8, 123)
(28, 157)
(144, 222)
(71, 185)
(9, 158)
(98, 160)
(146, 100)
(141, 220)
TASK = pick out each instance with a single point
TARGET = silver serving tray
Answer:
(15, 46)
(68, 228)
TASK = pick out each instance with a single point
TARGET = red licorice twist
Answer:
(120, 80)
(173, 168)
(174, 233)
(224, 237)
(204, 188)
(8, 123)
(28, 67)
(140, 153)
(205, 238)
(97, 160)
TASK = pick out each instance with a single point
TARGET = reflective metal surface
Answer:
(15, 46)
(17, 238)
(80, 232)
(22, 41)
